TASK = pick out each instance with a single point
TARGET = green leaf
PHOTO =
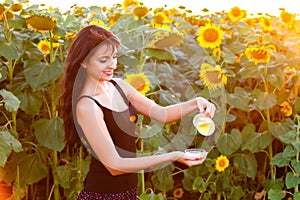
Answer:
(278, 130)
(129, 61)
(229, 143)
(7, 144)
(291, 180)
(257, 142)
(297, 106)
(32, 170)
(11, 102)
(296, 166)
(39, 74)
(30, 102)
(159, 54)
(49, 132)
(276, 184)
(237, 193)
(246, 164)
(11, 50)
(275, 194)
(17, 22)
(283, 158)
(199, 184)
(63, 175)
(239, 99)
(166, 185)
(229, 57)
(276, 78)
(297, 196)
(151, 196)
(263, 100)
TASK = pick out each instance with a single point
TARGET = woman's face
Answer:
(101, 63)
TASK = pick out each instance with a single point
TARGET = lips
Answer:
(108, 73)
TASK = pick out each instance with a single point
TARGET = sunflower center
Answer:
(236, 12)
(222, 163)
(214, 77)
(138, 83)
(259, 54)
(210, 35)
(45, 47)
(286, 17)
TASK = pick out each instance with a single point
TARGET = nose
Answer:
(113, 64)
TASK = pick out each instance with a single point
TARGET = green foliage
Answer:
(259, 136)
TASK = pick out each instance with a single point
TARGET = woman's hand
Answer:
(189, 160)
(205, 107)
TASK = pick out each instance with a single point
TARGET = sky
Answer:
(252, 6)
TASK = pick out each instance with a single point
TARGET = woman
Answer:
(103, 111)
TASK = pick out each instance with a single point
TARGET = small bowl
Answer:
(204, 125)
(198, 153)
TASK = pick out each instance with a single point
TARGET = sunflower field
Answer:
(247, 64)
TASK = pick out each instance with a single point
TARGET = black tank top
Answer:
(121, 126)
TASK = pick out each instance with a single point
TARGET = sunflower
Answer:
(114, 18)
(167, 41)
(163, 27)
(41, 22)
(178, 193)
(258, 54)
(139, 81)
(222, 163)
(212, 77)
(160, 18)
(286, 109)
(266, 24)
(99, 23)
(44, 47)
(210, 36)
(16, 7)
(127, 3)
(236, 14)
(287, 18)
(217, 53)
(141, 11)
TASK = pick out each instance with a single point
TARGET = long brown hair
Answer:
(86, 40)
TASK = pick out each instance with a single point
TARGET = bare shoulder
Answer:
(86, 106)
(126, 87)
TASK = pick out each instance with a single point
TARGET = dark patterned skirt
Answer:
(130, 194)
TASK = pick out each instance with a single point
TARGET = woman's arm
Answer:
(90, 118)
(169, 113)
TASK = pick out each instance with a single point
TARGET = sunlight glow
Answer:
(252, 6)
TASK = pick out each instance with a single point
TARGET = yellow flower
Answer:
(287, 17)
(286, 108)
(127, 3)
(141, 11)
(112, 20)
(160, 18)
(162, 26)
(236, 14)
(217, 53)
(70, 36)
(41, 22)
(222, 163)
(167, 41)
(99, 23)
(44, 47)
(212, 77)
(210, 36)
(258, 54)
(266, 24)
(178, 193)
(139, 81)
(16, 7)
